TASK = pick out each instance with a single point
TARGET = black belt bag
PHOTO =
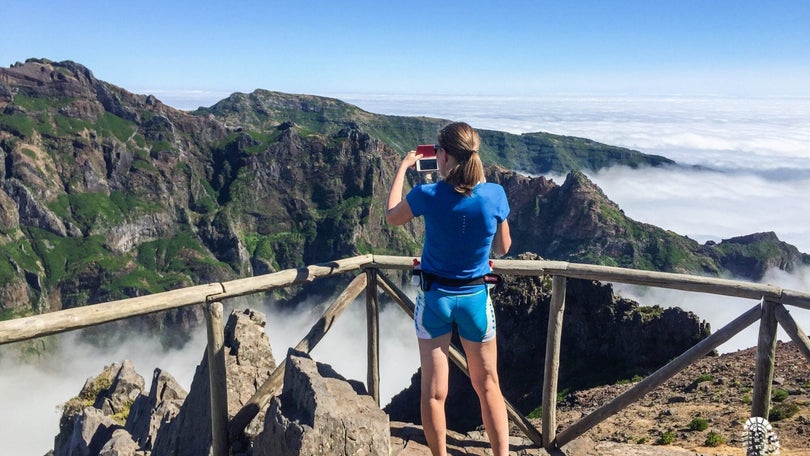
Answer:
(427, 279)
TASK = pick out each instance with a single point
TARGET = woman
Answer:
(465, 219)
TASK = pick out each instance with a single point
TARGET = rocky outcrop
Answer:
(32, 212)
(577, 222)
(249, 362)
(90, 420)
(751, 256)
(319, 412)
(113, 411)
(150, 412)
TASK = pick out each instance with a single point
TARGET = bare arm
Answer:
(503, 240)
(397, 211)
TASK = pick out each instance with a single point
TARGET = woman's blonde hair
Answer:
(461, 141)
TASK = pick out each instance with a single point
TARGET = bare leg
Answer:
(435, 372)
(482, 361)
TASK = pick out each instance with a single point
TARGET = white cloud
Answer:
(760, 148)
(34, 391)
(712, 205)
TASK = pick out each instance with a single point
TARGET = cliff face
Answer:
(105, 194)
(576, 221)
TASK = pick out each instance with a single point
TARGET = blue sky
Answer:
(524, 48)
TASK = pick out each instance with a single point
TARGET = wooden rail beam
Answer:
(82, 317)
(267, 282)
(794, 331)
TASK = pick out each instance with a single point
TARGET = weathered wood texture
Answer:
(794, 331)
(82, 317)
(373, 335)
(552, 367)
(766, 358)
(685, 282)
(217, 377)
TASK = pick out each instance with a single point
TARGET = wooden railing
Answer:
(769, 311)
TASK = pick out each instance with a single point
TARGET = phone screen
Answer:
(427, 164)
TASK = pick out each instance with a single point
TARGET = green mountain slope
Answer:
(534, 153)
(105, 194)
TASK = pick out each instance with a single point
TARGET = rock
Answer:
(84, 429)
(166, 420)
(125, 388)
(249, 362)
(31, 211)
(160, 407)
(319, 412)
(87, 433)
(121, 444)
(124, 237)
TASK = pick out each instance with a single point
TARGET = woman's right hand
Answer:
(410, 159)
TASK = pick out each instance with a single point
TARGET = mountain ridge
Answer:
(108, 194)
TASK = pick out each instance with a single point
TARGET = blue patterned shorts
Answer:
(437, 310)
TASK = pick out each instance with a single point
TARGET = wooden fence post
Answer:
(766, 354)
(373, 327)
(217, 379)
(552, 368)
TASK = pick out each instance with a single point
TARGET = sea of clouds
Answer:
(745, 169)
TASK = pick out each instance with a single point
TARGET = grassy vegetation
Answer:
(18, 124)
(714, 439)
(634, 379)
(16, 252)
(666, 438)
(705, 377)
(121, 416)
(110, 124)
(698, 424)
(87, 396)
(782, 411)
(779, 395)
(30, 103)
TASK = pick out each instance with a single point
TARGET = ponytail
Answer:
(461, 141)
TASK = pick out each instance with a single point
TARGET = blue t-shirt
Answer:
(458, 229)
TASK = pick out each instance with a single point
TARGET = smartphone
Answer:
(428, 162)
